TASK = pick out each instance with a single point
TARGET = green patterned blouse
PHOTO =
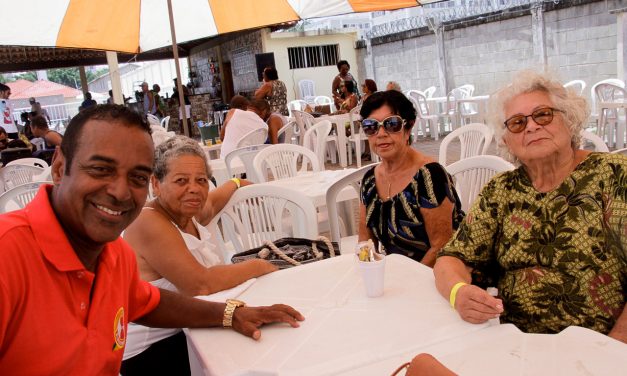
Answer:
(557, 258)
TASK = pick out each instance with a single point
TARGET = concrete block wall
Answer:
(581, 43)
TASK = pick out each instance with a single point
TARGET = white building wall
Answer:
(278, 43)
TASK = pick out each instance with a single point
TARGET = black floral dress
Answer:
(397, 223)
(557, 258)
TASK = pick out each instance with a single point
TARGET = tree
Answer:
(71, 76)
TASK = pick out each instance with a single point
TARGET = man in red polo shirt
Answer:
(68, 284)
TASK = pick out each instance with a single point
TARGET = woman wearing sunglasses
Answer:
(550, 235)
(408, 202)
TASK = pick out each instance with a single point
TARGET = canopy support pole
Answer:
(114, 75)
(179, 85)
(83, 75)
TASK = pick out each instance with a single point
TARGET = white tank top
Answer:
(240, 124)
(140, 337)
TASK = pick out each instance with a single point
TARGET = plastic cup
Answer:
(208, 142)
(373, 275)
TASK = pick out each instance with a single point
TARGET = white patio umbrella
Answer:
(135, 26)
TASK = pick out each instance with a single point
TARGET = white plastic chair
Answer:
(255, 137)
(424, 117)
(593, 94)
(578, 85)
(303, 120)
(609, 118)
(287, 133)
(260, 212)
(597, 142)
(307, 89)
(471, 174)
(19, 196)
(29, 162)
(428, 92)
(322, 100)
(246, 156)
(283, 159)
(152, 119)
(316, 138)
(12, 176)
(475, 139)
(622, 151)
(298, 105)
(356, 138)
(165, 122)
(354, 180)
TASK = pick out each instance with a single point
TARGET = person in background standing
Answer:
(274, 91)
(158, 100)
(149, 105)
(88, 102)
(36, 107)
(7, 113)
(338, 97)
(188, 107)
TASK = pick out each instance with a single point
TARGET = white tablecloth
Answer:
(346, 333)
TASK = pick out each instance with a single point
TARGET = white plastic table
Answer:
(314, 185)
(346, 333)
(343, 329)
(220, 173)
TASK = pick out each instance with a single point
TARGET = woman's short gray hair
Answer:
(174, 148)
(576, 110)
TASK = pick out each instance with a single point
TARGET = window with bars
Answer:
(313, 56)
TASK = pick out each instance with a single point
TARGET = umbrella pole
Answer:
(179, 85)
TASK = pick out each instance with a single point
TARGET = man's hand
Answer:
(476, 306)
(248, 320)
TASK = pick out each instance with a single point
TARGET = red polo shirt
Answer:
(48, 322)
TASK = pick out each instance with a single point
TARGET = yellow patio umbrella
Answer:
(135, 26)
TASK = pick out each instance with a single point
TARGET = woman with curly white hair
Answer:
(551, 235)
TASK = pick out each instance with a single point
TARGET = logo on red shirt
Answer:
(119, 331)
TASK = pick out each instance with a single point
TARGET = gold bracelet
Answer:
(453, 294)
(237, 182)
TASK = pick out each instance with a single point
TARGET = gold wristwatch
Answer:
(229, 310)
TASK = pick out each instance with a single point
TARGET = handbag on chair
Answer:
(288, 252)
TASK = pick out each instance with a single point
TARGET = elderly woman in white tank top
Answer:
(174, 252)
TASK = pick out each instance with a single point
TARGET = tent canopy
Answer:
(134, 26)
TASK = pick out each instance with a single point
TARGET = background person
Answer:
(338, 96)
(408, 201)
(369, 87)
(148, 102)
(350, 98)
(36, 107)
(62, 260)
(273, 91)
(88, 102)
(238, 125)
(7, 113)
(39, 128)
(393, 85)
(174, 249)
(549, 235)
(4, 139)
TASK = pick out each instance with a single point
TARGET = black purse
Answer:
(288, 252)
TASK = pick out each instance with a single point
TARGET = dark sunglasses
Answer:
(541, 116)
(391, 124)
(4, 141)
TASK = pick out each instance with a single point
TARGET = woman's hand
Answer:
(248, 320)
(476, 306)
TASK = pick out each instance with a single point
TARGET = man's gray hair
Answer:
(576, 110)
(174, 148)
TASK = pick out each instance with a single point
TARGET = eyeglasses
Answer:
(391, 124)
(541, 116)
